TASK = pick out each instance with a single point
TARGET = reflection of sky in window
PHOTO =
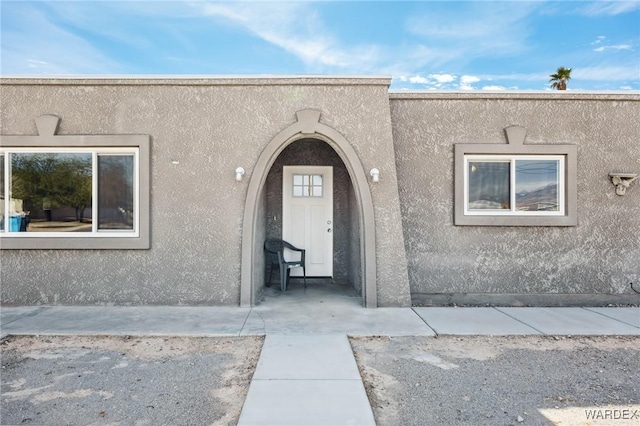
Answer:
(532, 175)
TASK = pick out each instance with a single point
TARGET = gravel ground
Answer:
(501, 380)
(71, 380)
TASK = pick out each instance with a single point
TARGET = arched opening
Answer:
(309, 132)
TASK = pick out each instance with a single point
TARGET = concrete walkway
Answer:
(318, 319)
(307, 374)
(306, 380)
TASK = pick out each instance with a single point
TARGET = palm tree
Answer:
(559, 79)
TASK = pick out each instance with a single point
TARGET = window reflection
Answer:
(2, 205)
(489, 186)
(115, 192)
(50, 192)
(537, 185)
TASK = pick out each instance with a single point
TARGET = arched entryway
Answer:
(307, 129)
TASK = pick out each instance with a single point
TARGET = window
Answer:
(90, 192)
(515, 184)
(75, 192)
(307, 185)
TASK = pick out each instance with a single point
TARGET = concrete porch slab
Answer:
(472, 321)
(334, 318)
(570, 321)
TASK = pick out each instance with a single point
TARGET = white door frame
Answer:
(307, 216)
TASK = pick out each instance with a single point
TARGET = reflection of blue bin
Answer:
(14, 223)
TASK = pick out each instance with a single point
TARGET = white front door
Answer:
(307, 216)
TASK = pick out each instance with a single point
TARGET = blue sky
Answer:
(425, 45)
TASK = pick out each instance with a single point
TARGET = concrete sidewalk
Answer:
(306, 374)
(312, 319)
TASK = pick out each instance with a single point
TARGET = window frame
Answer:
(511, 160)
(516, 149)
(50, 142)
(311, 186)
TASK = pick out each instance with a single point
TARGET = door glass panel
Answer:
(307, 185)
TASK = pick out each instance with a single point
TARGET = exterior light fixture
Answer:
(375, 175)
(622, 181)
(239, 173)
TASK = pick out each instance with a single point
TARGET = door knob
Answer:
(329, 230)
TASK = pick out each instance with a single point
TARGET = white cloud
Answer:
(610, 8)
(494, 88)
(443, 78)
(33, 43)
(600, 72)
(475, 29)
(295, 28)
(469, 79)
(419, 80)
(615, 47)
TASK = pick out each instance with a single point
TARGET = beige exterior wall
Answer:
(593, 262)
(210, 126)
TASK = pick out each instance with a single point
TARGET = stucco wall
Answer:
(209, 127)
(519, 265)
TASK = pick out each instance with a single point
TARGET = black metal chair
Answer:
(274, 255)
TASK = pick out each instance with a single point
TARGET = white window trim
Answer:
(95, 232)
(511, 159)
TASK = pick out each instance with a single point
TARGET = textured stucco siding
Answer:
(600, 256)
(209, 127)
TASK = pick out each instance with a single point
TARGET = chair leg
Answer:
(283, 279)
(286, 280)
(304, 276)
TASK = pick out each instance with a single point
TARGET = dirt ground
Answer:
(457, 380)
(75, 380)
(449, 380)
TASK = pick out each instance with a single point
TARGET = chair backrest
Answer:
(274, 246)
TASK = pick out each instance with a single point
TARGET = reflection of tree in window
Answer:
(489, 185)
(59, 181)
(115, 192)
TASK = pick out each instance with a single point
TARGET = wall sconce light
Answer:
(239, 173)
(375, 175)
(622, 181)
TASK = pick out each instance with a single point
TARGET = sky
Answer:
(421, 45)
